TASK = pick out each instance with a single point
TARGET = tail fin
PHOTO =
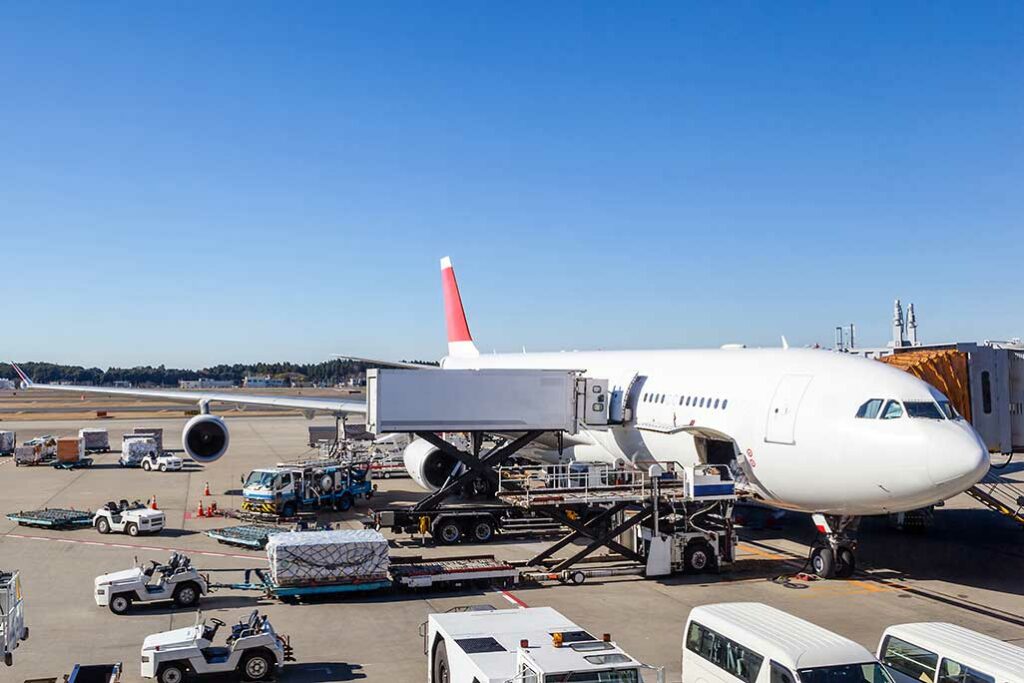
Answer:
(25, 381)
(460, 343)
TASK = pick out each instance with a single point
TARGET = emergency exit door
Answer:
(781, 426)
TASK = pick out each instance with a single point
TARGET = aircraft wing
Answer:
(320, 404)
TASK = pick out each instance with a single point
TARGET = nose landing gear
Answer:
(834, 557)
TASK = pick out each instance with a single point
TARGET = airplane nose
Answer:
(957, 459)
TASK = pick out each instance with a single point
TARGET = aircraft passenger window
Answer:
(869, 409)
(702, 403)
(687, 400)
(725, 402)
(909, 659)
(954, 672)
(986, 393)
(716, 402)
(681, 399)
(893, 410)
(644, 400)
(925, 409)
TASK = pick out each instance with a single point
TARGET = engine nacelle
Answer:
(428, 466)
(205, 438)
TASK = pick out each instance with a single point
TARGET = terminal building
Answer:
(262, 382)
(205, 383)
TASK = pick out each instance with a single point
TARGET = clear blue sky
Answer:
(202, 182)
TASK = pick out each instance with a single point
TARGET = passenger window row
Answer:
(726, 654)
(690, 401)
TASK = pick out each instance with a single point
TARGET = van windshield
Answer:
(871, 672)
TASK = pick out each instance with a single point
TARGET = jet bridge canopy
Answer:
(483, 401)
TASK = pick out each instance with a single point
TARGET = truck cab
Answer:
(286, 489)
(532, 645)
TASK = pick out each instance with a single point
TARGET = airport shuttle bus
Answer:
(947, 653)
(748, 642)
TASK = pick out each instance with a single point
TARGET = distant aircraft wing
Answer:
(333, 406)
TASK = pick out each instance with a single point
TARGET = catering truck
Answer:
(487, 645)
(289, 488)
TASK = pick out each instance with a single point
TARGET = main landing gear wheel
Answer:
(823, 562)
(847, 563)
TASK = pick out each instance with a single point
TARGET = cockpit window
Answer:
(893, 410)
(870, 409)
(948, 410)
(925, 409)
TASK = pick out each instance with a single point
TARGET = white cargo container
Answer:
(529, 645)
(155, 433)
(94, 440)
(482, 400)
(328, 557)
(135, 449)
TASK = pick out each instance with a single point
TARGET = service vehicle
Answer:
(752, 642)
(948, 653)
(12, 615)
(163, 462)
(253, 651)
(86, 673)
(134, 449)
(128, 518)
(176, 581)
(532, 645)
(388, 465)
(288, 488)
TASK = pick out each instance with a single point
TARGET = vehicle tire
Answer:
(171, 673)
(132, 529)
(186, 595)
(699, 558)
(146, 466)
(847, 564)
(257, 666)
(102, 525)
(483, 530)
(163, 468)
(386, 475)
(447, 532)
(442, 674)
(288, 510)
(577, 577)
(9, 659)
(823, 562)
(120, 603)
(345, 502)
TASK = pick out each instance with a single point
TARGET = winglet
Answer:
(460, 343)
(25, 381)
(785, 342)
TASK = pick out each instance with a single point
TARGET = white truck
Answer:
(162, 462)
(12, 615)
(253, 651)
(532, 645)
(128, 518)
(177, 581)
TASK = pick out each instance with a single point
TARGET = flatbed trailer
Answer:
(81, 462)
(86, 673)
(52, 518)
(404, 574)
(253, 536)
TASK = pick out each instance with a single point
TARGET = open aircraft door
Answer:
(622, 406)
(781, 425)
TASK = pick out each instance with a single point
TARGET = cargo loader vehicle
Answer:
(176, 581)
(252, 652)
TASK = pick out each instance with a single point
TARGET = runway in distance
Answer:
(807, 430)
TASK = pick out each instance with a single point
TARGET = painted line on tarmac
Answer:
(125, 546)
(514, 600)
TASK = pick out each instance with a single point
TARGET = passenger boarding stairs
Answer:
(1001, 495)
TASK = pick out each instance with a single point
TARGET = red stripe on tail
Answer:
(454, 313)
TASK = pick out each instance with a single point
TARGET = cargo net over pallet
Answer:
(327, 557)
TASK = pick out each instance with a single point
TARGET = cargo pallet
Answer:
(246, 535)
(52, 518)
(81, 462)
(404, 574)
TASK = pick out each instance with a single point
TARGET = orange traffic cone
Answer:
(206, 491)
(200, 512)
(152, 503)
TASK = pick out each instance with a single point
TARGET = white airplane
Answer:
(813, 431)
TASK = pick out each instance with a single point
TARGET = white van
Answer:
(947, 653)
(747, 642)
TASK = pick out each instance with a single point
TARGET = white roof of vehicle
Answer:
(970, 648)
(509, 626)
(779, 635)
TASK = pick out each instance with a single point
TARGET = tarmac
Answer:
(967, 569)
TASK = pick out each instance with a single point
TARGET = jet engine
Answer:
(427, 465)
(205, 438)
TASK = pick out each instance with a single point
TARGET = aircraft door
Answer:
(622, 407)
(781, 425)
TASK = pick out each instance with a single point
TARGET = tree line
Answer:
(325, 373)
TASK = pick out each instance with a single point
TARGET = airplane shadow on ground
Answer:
(971, 547)
(208, 604)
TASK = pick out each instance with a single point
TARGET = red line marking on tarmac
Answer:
(133, 547)
(514, 600)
